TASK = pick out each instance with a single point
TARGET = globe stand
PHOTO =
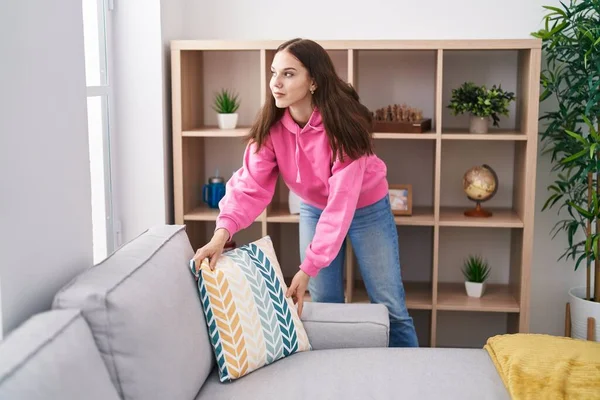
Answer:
(478, 212)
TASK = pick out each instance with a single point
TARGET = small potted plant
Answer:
(476, 271)
(226, 104)
(481, 103)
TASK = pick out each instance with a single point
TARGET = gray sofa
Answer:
(132, 327)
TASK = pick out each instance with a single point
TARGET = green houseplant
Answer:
(481, 103)
(571, 76)
(226, 103)
(476, 271)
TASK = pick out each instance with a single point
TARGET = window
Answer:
(99, 106)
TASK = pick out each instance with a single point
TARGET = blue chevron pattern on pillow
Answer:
(250, 321)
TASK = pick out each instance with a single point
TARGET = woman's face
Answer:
(290, 82)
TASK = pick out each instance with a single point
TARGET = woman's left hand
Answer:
(298, 288)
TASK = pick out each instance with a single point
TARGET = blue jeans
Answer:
(374, 238)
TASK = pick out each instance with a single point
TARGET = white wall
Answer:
(138, 140)
(142, 138)
(45, 206)
(172, 17)
(376, 19)
(462, 19)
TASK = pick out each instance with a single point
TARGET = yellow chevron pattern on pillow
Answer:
(250, 321)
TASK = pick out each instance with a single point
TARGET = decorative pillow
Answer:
(250, 321)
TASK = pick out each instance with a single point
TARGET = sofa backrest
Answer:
(143, 308)
(52, 355)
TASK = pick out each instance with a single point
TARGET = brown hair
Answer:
(348, 123)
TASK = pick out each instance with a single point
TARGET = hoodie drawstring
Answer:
(298, 177)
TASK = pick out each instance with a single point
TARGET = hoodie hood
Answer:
(315, 122)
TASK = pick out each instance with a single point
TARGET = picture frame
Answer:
(401, 199)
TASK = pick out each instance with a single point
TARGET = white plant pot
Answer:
(227, 121)
(581, 310)
(478, 124)
(475, 289)
(294, 203)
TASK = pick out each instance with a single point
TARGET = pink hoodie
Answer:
(302, 157)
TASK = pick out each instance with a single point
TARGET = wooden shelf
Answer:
(501, 218)
(214, 131)
(435, 67)
(500, 135)
(202, 213)
(205, 213)
(458, 135)
(422, 216)
(386, 135)
(451, 297)
(497, 298)
(418, 295)
(385, 44)
(280, 213)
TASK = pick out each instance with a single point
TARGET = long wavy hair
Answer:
(348, 123)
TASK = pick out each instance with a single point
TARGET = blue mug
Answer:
(214, 191)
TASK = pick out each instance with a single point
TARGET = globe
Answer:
(480, 184)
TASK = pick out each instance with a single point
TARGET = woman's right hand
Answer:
(212, 250)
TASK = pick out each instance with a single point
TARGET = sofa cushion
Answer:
(143, 309)
(342, 325)
(52, 355)
(372, 373)
(250, 321)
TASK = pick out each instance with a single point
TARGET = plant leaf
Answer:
(574, 156)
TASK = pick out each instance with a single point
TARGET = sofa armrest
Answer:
(331, 326)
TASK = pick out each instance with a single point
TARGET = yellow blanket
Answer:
(536, 366)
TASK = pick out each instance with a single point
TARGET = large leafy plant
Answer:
(571, 45)
(480, 101)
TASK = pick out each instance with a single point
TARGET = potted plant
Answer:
(481, 104)
(571, 76)
(476, 271)
(226, 104)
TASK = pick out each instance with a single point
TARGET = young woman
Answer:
(317, 135)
